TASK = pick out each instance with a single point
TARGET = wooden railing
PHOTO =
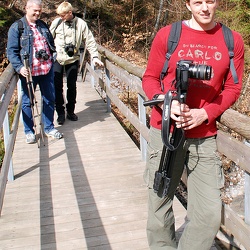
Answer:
(8, 83)
(130, 76)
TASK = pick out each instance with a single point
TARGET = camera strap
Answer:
(166, 123)
(171, 143)
(74, 27)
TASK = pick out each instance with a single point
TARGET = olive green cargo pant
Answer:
(205, 179)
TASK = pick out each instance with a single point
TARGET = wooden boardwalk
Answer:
(84, 191)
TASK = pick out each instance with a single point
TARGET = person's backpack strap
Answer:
(229, 40)
(20, 26)
(173, 40)
(42, 22)
(58, 23)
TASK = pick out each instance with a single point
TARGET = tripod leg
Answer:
(38, 114)
(31, 97)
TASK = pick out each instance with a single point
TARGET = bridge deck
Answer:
(82, 192)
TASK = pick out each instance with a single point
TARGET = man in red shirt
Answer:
(202, 42)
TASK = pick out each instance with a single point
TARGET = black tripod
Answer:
(33, 101)
(185, 70)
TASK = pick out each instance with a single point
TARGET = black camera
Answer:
(70, 49)
(42, 54)
(187, 69)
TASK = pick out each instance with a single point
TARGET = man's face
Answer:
(203, 11)
(67, 16)
(33, 12)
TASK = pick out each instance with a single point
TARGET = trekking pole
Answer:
(32, 96)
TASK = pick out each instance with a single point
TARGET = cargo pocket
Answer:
(152, 165)
(220, 173)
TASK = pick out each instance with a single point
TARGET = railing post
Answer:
(6, 136)
(19, 96)
(247, 193)
(92, 77)
(107, 79)
(143, 120)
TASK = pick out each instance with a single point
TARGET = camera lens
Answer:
(45, 56)
(70, 52)
(42, 54)
(69, 49)
(203, 72)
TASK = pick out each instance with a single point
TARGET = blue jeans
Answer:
(46, 85)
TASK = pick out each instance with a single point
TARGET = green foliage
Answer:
(237, 16)
(2, 23)
(2, 15)
(6, 17)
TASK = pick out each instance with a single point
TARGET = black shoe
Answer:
(72, 116)
(61, 119)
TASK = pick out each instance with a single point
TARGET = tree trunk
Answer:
(157, 20)
(132, 16)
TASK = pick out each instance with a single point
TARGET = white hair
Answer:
(37, 2)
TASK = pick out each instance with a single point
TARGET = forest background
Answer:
(128, 27)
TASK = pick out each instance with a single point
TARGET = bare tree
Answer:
(159, 15)
(132, 15)
(157, 22)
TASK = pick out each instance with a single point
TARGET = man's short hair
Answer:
(63, 8)
(37, 2)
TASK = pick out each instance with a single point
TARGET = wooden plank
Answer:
(234, 150)
(237, 122)
(130, 80)
(6, 98)
(6, 77)
(131, 68)
(236, 226)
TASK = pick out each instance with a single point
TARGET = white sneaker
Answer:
(54, 133)
(30, 138)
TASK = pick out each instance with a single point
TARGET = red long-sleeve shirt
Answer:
(202, 47)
